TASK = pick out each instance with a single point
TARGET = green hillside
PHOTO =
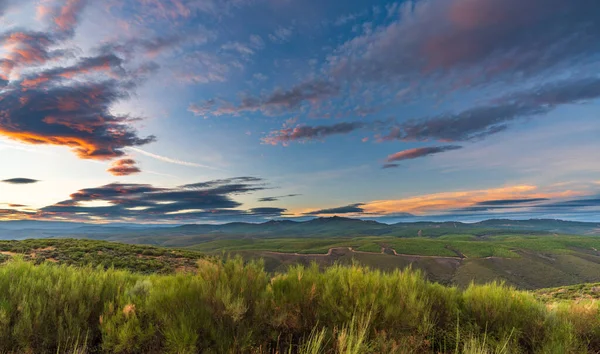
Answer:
(524, 261)
(143, 259)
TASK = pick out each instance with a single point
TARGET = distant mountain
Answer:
(318, 227)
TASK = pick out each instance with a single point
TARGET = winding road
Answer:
(331, 250)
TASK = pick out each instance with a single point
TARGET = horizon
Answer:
(296, 220)
(208, 111)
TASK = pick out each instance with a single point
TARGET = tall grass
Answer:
(235, 307)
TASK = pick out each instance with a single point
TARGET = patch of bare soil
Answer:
(7, 253)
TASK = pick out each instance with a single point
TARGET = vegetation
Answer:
(235, 307)
(143, 259)
(526, 262)
(503, 245)
(578, 292)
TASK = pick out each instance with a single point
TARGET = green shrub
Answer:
(235, 307)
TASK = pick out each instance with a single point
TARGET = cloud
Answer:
(348, 209)
(276, 198)
(170, 160)
(433, 204)
(53, 105)
(176, 10)
(210, 200)
(278, 101)
(89, 65)
(572, 204)
(344, 19)
(281, 35)
(236, 185)
(123, 167)
(67, 16)
(203, 68)
(245, 50)
(420, 152)
(268, 211)
(4, 4)
(20, 181)
(479, 122)
(442, 45)
(306, 133)
(12, 214)
(536, 206)
(26, 48)
(510, 202)
(390, 165)
(77, 116)
(485, 38)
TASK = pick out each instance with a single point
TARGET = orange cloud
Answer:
(67, 18)
(446, 201)
(123, 167)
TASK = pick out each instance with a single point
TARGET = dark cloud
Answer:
(535, 205)
(236, 185)
(20, 181)
(15, 213)
(123, 167)
(276, 198)
(278, 101)
(390, 165)
(481, 209)
(508, 202)
(576, 203)
(138, 202)
(481, 40)
(268, 211)
(448, 44)
(348, 209)
(109, 63)
(480, 122)
(305, 133)
(76, 116)
(47, 104)
(420, 152)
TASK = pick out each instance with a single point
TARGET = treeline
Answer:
(236, 307)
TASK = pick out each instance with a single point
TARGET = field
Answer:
(524, 261)
(236, 307)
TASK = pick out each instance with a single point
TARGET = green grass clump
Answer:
(231, 306)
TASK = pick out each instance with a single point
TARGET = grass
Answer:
(502, 245)
(231, 306)
(143, 259)
(587, 291)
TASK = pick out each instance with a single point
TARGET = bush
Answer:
(235, 307)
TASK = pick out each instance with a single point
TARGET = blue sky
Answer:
(211, 111)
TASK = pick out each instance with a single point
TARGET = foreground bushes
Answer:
(233, 307)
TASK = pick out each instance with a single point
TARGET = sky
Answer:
(211, 111)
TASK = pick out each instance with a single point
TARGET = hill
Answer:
(185, 235)
(143, 259)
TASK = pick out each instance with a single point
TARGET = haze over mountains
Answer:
(318, 227)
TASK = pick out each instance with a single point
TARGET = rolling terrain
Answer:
(186, 235)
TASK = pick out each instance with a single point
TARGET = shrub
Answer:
(234, 307)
